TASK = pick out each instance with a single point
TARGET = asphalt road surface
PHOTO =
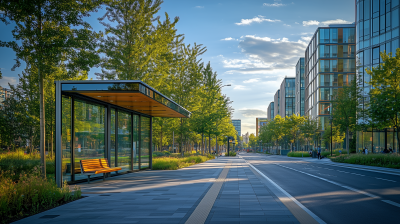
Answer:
(334, 194)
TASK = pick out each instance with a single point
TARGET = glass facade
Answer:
(330, 63)
(288, 97)
(237, 123)
(145, 142)
(88, 137)
(299, 107)
(259, 123)
(277, 102)
(270, 111)
(66, 139)
(377, 24)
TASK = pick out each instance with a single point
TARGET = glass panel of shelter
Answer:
(88, 137)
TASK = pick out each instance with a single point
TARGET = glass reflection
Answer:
(66, 139)
(145, 142)
(89, 135)
(124, 141)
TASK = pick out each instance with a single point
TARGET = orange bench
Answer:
(95, 166)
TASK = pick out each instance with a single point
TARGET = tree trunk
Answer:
(347, 141)
(42, 123)
(202, 143)
(209, 143)
(161, 138)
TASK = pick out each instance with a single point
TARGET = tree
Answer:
(44, 29)
(135, 47)
(346, 110)
(337, 135)
(384, 104)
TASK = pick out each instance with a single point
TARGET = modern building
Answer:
(377, 25)
(4, 94)
(299, 89)
(329, 64)
(106, 119)
(287, 97)
(259, 123)
(276, 102)
(246, 138)
(238, 126)
(270, 111)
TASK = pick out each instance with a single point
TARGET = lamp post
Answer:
(330, 118)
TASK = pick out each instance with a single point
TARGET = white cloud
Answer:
(257, 19)
(336, 21)
(251, 80)
(265, 54)
(199, 7)
(252, 112)
(239, 87)
(306, 38)
(296, 23)
(287, 25)
(228, 38)
(325, 23)
(275, 4)
(5, 80)
(310, 23)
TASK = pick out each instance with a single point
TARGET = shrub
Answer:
(298, 154)
(230, 154)
(30, 194)
(18, 162)
(381, 160)
(172, 163)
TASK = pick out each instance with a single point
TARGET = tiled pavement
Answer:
(171, 197)
(244, 199)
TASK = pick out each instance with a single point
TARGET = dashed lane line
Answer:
(384, 179)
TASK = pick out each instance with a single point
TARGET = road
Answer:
(334, 194)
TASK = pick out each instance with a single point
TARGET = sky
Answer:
(252, 45)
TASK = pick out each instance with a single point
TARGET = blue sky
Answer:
(252, 45)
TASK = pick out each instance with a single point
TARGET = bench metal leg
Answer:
(104, 176)
(88, 179)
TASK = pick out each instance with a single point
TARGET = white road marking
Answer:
(385, 179)
(358, 174)
(333, 182)
(392, 203)
(319, 220)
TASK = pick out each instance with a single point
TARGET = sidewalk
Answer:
(174, 197)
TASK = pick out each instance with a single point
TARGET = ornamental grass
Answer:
(30, 194)
(24, 191)
(381, 160)
(173, 163)
(298, 154)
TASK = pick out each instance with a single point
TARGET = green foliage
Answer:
(384, 103)
(24, 192)
(298, 154)
(230, 153)
(283, 131)
(17, 162)
(337, 135)
(170, 163)
(381, 160)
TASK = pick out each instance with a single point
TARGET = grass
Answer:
(174, 163)
(24, 191)
(298, 154)
(335, 152)
(381, 160)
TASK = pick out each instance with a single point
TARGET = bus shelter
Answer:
(107, 119)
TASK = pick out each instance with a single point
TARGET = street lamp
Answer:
(331, 118)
